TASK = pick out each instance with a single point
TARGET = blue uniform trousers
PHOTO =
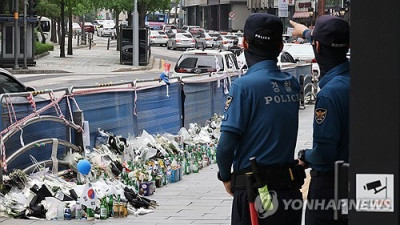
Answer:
(321, 190)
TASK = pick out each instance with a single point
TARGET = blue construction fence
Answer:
(125, 110)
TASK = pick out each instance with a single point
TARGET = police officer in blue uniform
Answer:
(261, 121)
(330, 40)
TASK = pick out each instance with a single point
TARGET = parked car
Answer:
(304, 53)
(196, 31)
(158, 37)
(10, 84)
(97, 24)
(107, 30)
(89, 27)
(226, 41)
(76, 28)
(186, 28)
(207, 61)
(240, 38)
(175, 31)
(206, 40)
(167, 27)
(181, 40)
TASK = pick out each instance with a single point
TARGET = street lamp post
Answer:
(135, 36)
(16, 35)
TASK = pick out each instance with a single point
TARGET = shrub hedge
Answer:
(42, 48)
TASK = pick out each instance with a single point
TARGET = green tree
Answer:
(50, 9)
(145, 6)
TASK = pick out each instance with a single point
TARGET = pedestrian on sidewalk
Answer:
(261, 121)
(330, 40)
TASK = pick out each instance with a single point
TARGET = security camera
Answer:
(373, 186)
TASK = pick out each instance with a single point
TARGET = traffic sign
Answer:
(231, 14)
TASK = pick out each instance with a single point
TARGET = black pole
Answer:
(16, 35)
(25, 35)
(62, 38)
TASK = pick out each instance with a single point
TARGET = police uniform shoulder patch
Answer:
(228, 102)
(320, 115)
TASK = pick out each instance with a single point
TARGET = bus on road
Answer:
(156, 20)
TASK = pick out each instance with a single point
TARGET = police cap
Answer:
(258, 23)
(332, 31)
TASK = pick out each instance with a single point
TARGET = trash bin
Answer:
(126, 46)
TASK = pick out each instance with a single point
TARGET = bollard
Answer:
(108, 44)
(77, 40)
(90, 41)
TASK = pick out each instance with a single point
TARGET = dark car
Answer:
(9, 84)
(89, 27)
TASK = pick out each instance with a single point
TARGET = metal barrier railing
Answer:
(120, 86)
(28, 120)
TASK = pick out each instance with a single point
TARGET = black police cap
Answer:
(332, 31)
(258, 22)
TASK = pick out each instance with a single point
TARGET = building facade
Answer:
(215, 14)
(8, 40)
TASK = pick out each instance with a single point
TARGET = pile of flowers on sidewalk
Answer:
(113, 179)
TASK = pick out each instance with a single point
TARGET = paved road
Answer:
(90, 67)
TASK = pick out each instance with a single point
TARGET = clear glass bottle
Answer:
(60, 212)
(78, 209)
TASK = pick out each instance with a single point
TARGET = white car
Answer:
(158, 37)
(226, 41)
(76, 28)
(181, 40)
(240, 38)
(207, 61)
(304, 53)
(106, 30)
(187, 28)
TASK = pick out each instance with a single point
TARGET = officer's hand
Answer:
(227, 185)
(298, 29)
(302, 163)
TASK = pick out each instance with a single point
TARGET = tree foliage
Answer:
(48, 8)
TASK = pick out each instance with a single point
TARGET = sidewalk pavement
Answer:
(197, 199)
(96, 60)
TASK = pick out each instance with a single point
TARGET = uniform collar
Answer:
(341, 69)
(266, 64)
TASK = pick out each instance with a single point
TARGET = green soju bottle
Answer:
(187, 166)
(195, 166)
(103, 209)
(110, 205)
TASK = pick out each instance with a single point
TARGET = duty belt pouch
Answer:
(274, 178)
(299, 175)
(238, 182)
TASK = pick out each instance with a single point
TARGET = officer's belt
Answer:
(275, 178)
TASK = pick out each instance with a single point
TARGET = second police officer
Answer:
(330, 41)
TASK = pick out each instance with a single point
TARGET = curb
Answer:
(140, 68)
(41, 55)
(28, 71)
